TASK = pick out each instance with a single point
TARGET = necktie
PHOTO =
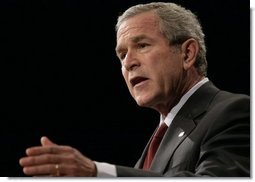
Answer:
(154, 145)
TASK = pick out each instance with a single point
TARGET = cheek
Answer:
(165, 76)
(125, 76)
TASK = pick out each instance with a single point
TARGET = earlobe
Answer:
(190, 50)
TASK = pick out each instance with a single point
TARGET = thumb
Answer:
(46, 141)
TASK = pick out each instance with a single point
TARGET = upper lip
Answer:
(137, 79)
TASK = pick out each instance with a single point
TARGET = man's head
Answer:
(176, 23)
(162, 52)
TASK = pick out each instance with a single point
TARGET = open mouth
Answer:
(136, 80)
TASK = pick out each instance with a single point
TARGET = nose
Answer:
(131, 61)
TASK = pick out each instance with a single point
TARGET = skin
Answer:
(42, 160)
(157, 75)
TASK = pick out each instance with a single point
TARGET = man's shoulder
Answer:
(230, 97)
(221, 95)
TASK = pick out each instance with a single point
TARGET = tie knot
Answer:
(161, 130)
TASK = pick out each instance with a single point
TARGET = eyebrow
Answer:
(138, 38)
(133, 40)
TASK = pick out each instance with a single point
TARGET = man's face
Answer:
(151, 68)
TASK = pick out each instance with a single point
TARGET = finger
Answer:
(48, 149)
(46, 141)
(41, 159)
(47, 169)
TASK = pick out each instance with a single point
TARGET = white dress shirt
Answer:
(109, 170)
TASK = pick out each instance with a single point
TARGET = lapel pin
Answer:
(181, 134)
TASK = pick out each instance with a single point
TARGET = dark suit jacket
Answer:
(216, 140)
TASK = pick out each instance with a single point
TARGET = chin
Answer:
(142, 102)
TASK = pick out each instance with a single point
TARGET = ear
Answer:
(189, 52)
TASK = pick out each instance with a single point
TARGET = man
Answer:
(206, 131)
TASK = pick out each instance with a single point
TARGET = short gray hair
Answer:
(177, 24)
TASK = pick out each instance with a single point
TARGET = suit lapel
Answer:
(169, 143)
(172, 139)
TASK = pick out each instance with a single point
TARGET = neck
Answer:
(173, 101)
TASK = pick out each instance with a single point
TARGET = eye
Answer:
(142, 45)
(122, 55)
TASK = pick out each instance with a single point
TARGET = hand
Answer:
(51, 159)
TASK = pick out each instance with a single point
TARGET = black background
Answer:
(60, 76)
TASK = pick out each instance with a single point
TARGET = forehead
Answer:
(144, 23)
